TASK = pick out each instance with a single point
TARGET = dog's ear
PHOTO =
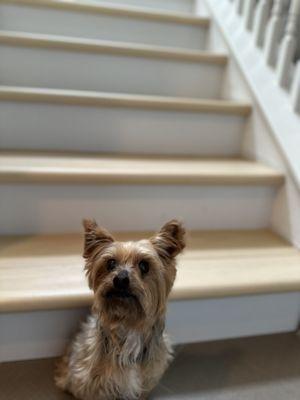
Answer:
(170, 240)
(95, 237)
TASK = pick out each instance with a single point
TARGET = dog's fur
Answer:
(122, 351)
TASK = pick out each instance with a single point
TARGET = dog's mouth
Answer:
(120, 294)
(123, 305)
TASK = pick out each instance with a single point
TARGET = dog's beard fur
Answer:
(136, 309)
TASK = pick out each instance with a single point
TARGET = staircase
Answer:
(118, 111)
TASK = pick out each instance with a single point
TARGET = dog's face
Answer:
(131, 280)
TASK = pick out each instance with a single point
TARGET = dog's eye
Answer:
(144, 266)
(111, 264)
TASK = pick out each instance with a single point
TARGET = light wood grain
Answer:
(107, 169)
(114, 10)
(104, 99)
(108, 47)
(46, 272)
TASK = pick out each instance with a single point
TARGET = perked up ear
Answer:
(170, 240)
(95, 237)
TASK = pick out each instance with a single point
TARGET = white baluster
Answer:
(295, 92)
(249, 13)
(273, 32)
(289, 44)
(260, 21)
(239, 6)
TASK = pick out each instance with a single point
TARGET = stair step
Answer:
(69, 120)
(113, 9)
(98, 99)
(89, 64)
(106, 21)
(39, 40)
(50, 193)
(43, 168)
(215, 264)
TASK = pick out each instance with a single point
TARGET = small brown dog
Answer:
(122, 351)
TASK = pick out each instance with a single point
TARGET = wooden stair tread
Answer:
(115, 10)
(70, 168)
(105, 99)
(108, 47)
(46, 272)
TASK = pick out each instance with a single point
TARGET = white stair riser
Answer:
(46, 333)
(53, 68)
(172, 5)
(121, 130)
(93, 25)
(38, 208)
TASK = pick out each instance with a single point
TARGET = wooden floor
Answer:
(44, 272)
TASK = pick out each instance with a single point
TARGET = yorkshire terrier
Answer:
(122, 350)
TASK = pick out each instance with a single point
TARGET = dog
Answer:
(122, 349)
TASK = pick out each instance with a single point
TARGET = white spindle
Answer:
(289, 44)
(249, 13)
(295, 92)
(260, 21)
(239, 6)
(273, 32)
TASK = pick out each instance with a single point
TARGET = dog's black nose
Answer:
(121, 281)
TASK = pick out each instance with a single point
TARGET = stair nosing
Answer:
(45, 41)
(20, 304)
(115, 10)
(133, 171)
(106, 99)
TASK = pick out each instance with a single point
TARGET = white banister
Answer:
(295, 92)
(273, 31)
(260, 21)
(240, 6)
(275, 26)
(249, 14)
(289, 44)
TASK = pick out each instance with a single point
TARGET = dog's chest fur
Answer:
(101, 366)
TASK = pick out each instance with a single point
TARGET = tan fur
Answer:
(121, 350)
